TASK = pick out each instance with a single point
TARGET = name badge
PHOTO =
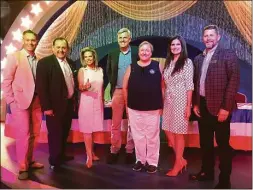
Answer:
(152, 71)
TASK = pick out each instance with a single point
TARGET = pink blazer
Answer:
(18, 83)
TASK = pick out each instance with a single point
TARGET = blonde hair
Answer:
(147, 43)
(94, 53)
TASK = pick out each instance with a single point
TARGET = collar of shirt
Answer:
(62, 61)
(28, 55)
(126, 52)
(210, 51)
(64, 66)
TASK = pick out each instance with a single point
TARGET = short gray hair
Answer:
(122, 30)
(147, 43)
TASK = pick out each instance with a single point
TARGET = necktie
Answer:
(68, 79)
(33, 64)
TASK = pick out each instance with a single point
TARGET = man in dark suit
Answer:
(216, 81)
(117, 63)
(55, 86)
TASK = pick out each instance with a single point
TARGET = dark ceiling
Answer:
(9, 11)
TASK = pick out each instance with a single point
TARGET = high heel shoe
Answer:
(89, 163)
(184, 162)
(94, 157)
(178, 169)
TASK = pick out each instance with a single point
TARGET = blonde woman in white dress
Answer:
(91, 109)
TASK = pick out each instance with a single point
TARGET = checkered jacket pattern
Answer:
(222, 80)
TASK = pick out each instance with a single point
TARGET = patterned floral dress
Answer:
(175, 97)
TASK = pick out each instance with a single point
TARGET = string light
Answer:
(26, 22)
(10, 49)
(47, 2)
(3, 63)
(17, 35)
(2, 78)
(36, 9)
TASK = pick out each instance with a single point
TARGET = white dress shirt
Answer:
(68, 75)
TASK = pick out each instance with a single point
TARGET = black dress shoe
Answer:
(151, 169)
(130, 158)
(223, 185)
(67, 158)
(112, 158)
(201, 176)
(138, 166)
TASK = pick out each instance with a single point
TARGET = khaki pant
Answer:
(27, 125)
(146, 135)
(118, 106)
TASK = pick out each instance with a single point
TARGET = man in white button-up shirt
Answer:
(55, 87)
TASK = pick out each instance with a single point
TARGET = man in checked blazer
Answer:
(216, 81)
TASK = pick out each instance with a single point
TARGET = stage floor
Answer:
(75, 175)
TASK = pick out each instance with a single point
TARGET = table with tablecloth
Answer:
(241, 129)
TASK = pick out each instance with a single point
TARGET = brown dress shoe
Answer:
(36, 165)
(201, 176)
(23, 175)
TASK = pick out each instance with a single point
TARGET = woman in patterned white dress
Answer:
(90, 113)
(178, 79)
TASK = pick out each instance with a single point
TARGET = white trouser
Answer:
(146, 134)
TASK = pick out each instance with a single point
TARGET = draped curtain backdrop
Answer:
(66, 25)
(241, 13)
(149, 10)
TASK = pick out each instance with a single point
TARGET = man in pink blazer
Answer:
(19, 91)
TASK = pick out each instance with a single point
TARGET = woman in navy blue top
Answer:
(142, 87)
